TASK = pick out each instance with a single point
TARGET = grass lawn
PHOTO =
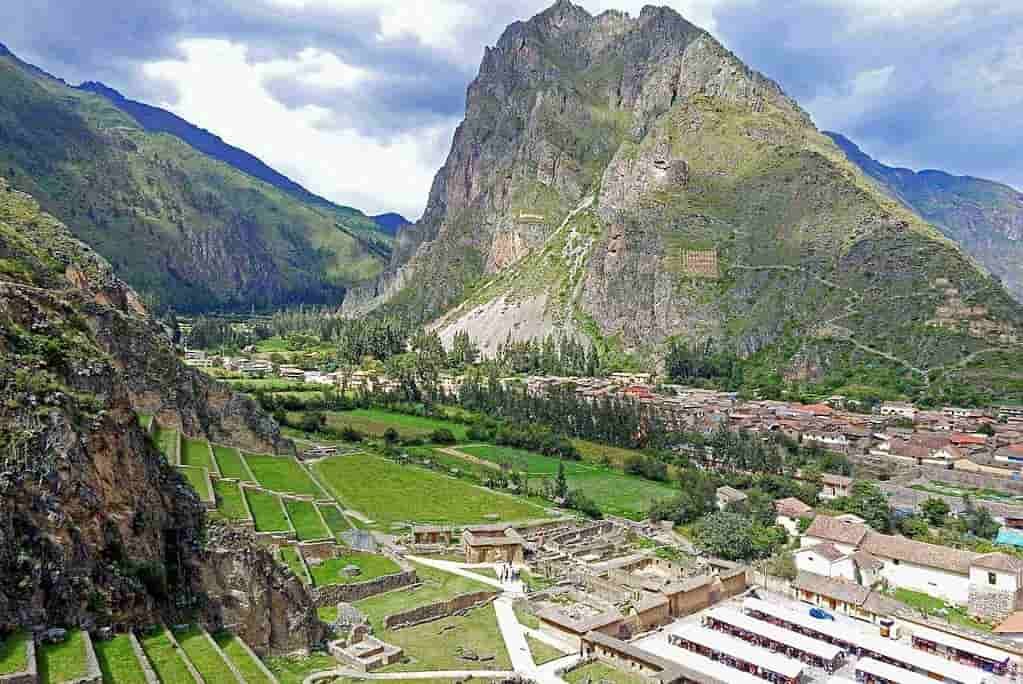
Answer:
(229, 500)
(614, 492)
(388, 492)
(437, 585)
(372, 566)
(117, 661)
(145, 420)
(431, 646)
(249, 668)
(306, 521)
(205, 657)
(375, 422)
(62, 662)
(294, 669)
(198, 479)
(930, 605)
(327, 614)
(230, 463)
(597, 671)
(291, 558)
(602, 454)
(14, 653)
(335, 520)
(165, 439)
(543, 653)
(196, 453)
(282, 474)
(165, 659)
(526, 618)
(267, 511)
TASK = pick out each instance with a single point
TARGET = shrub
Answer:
(350, 434)
(442, 436)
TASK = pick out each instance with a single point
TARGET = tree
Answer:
(978, 521)
(935, 510)
(561, 483)
(915, 527)
(868, 501)
(391, 436)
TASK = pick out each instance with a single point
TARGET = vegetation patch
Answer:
(14, 653)
(335, 520)
(436, 585)
(376, 422)
(117, 661)
(166, 441)
(196, 453)
(233, 649)
(543, 652)
(289, 555)
(199, 479)
(229, 460)
(267, 511)
(371, 566)
(388, 492)
(294, 669)
(166, 660)
(436, 645)
(305, 520)
(229, 500)
(282, 474)
(599, 672)
(63, 662)
(205, 657)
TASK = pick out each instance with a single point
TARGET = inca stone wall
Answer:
(436, 611)
(350, 593)
(991, 604)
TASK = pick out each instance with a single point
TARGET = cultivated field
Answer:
(166, 660)
(230, 462)
(307, 522)
(233, 649)
(117, 661)
(196, 453)
(267, 511)
(229, 500)
(204, 656)
(388, 492)
(282, 474)
(375, 422)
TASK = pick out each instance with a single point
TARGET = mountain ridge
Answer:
(984, 217)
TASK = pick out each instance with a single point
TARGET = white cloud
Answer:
(220, 90)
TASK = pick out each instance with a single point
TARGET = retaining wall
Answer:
(350, 593)
(437, 611)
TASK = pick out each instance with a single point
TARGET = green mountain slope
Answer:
(985, 218)
(629, 180)
(182, 228)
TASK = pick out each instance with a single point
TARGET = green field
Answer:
(245, 663)
(290, 558)
(372, 566)
(63, 662)
(199, 480)
(145, 420)
(196, 453)
(335, 520)
(388, 492)
(165, 439)
(166, 660)
(602, 454)
(599, 672)
(542, 652)
(426, 650)
(305, 520)
(230, 463)
(229, 500)
(436, 585)
(282, 474)
(267, 511)
(614, 492)
(294, 669)
(117, 661)
(205, 657)
(375, 422)
(14, 653)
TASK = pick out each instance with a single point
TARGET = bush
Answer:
(350, 434)
(442, 436)
(391, 436)
(578, 501)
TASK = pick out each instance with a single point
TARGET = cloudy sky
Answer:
(358, 99)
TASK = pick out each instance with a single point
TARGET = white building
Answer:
(898, 409)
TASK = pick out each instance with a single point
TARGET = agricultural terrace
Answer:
(335, 520)
(371, 566)
(289, 556)
(282, 474)
(613, 491)
(306, 520)
(267, 511)
(249, 668)
(14, 653)
(117, 660)
(166, 441)
(230, 462)
(199, 479)
(205, 656)
(375, 422)
(388, 492)
(165, 658)
(196, 453)
(63, 662)
(230, 500)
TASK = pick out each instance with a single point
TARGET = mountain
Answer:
(984, 217)
(96, 528)
(627, 180)
(183, 227)
(391, 223)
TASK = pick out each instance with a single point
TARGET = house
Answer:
(492, 544)
(844, 596)
(835, 486)
(844, 534)
(898, 409)
(729, 496)
(429, 535)
(789, 511)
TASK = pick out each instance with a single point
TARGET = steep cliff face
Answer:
(95, 527)
(188, 221)
(629, 178)
(985, 218)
